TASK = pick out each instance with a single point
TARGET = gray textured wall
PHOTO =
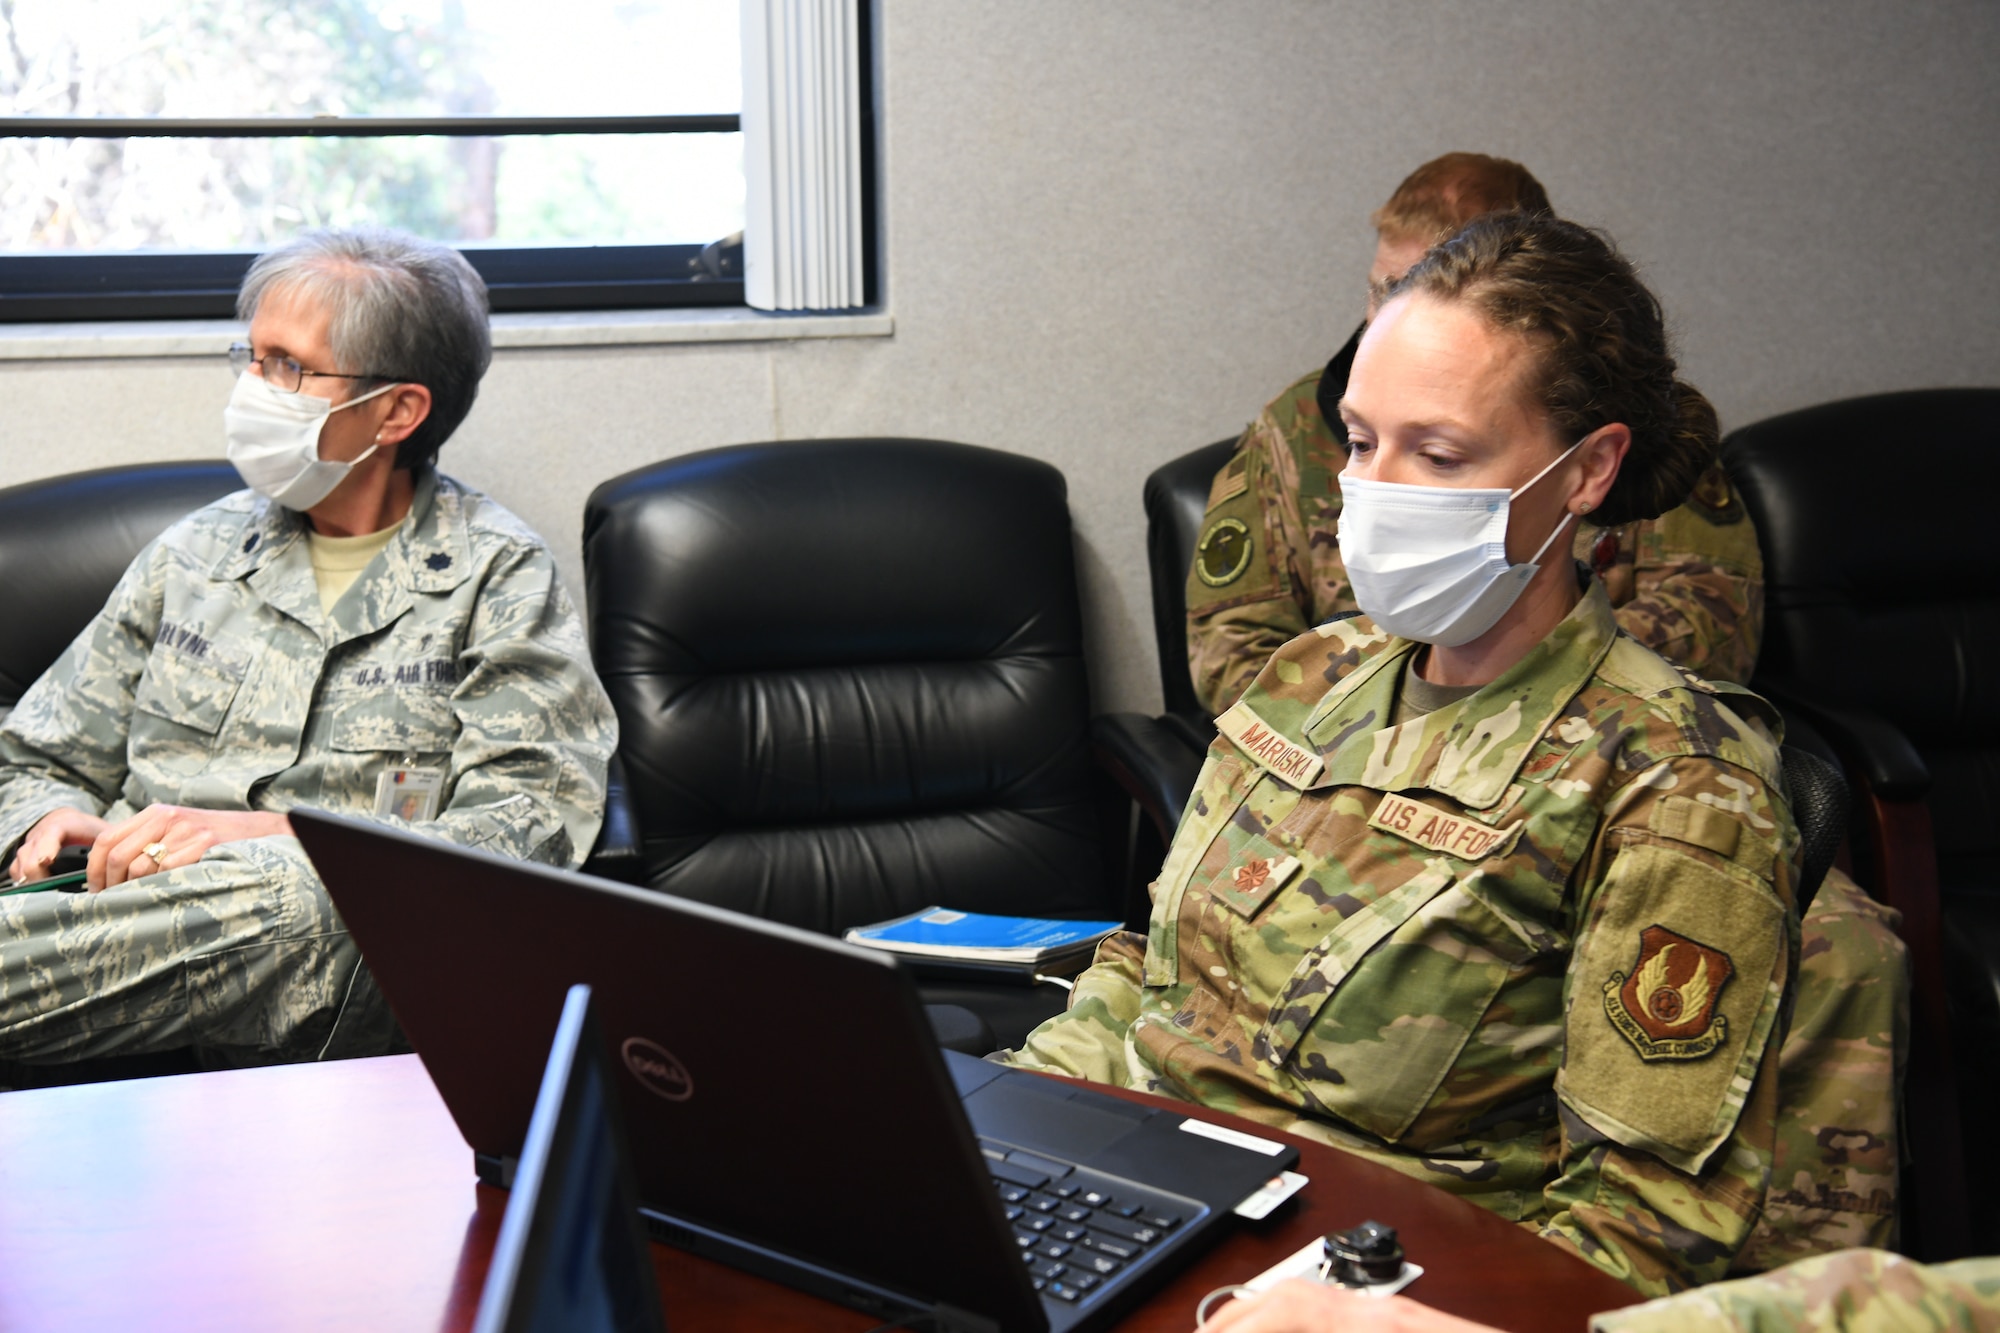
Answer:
(1114, 229)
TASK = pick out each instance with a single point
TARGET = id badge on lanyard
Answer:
(409, 794)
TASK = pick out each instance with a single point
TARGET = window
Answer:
(582, 152)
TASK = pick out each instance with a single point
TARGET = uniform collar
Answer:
(430, 554)
(1470, 750)
(263, 534)
(432, 542)
(437, 555)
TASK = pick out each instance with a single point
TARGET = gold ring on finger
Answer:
(154, 851)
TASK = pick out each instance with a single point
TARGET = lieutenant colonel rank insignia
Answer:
(1666, 1008)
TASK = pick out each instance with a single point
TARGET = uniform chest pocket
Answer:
(406, 720)
(1201, 850)
(1253, 859)
(188, 691)
(1375, 1017)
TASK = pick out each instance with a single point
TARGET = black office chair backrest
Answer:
(849, 679)
(65, 540)
(1176, 499)
(1882, 583)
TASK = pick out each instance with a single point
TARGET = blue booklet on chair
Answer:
(1033, 943)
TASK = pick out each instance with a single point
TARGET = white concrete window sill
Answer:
(582, 328)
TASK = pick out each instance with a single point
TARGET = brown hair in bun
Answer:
(1602, 343)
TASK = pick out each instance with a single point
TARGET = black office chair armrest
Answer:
(616, 855)
(1820, 803)
(1197, 730)
(1872, 746)
(1151, 761)
(958, 1028)
(1972, 964)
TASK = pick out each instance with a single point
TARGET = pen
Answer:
(72, 882)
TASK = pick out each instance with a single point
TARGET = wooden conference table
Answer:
(340, 1196)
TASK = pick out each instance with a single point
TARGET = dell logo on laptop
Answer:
(657, 1069)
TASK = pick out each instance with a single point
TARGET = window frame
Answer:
(55, 287)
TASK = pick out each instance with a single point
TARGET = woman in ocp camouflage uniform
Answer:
(1473, 884)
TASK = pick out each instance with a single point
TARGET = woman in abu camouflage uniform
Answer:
(1473, 884)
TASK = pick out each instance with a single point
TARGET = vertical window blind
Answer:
(803, 130)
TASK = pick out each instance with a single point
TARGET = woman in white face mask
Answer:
(313, 436)
(356, 631)
(1472, 884)
(1459, 485)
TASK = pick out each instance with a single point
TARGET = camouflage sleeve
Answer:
(1690, 583)
(1267, 563)
(65, 744)
(1851, 1291)
(1836, 1163)
(1087, 1040)
(536, 729)
(1241, 606)
(1684, 950)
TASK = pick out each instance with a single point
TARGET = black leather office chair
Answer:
(850, 683)
(1156, 760)
(1176, 498)
(1882, 628)
(64, 542)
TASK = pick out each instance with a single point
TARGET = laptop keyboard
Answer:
(1077, 1229)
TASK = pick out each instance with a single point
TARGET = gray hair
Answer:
(404, 309)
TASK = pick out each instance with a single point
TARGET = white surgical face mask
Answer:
(274, 441)
(1430, 562)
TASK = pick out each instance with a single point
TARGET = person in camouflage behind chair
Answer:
(1687, 584)
(1473, 884)
(355, 632)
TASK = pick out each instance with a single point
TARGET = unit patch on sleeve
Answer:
(1440, 830)
(1223, 552)
(1666, 1008)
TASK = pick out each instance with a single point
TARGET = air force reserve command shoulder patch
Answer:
(1667, 1007)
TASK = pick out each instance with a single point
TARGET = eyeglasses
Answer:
(282, 373)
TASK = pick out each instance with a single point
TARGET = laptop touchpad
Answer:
(1016, 1110)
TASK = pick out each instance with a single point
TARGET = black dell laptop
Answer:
(790, 1111)
(571, 1257)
